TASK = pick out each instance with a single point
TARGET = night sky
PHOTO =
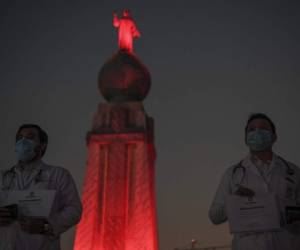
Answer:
(212, 64)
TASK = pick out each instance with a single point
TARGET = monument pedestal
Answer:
(119, 211)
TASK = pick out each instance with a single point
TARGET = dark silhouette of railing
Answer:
(225, 247)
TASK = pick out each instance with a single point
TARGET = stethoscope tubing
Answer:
(289, 170)
(7, 185)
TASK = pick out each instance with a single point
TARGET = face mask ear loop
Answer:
(38, 149)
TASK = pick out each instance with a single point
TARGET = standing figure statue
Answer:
(127, 30)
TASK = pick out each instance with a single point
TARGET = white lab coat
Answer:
(273, 181)
(65, 213)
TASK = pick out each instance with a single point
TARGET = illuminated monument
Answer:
(119, 194)
(127, 30)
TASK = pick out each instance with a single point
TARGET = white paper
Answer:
(256, 214)
(35, 203)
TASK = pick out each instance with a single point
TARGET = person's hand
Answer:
(245, 192)
(6, 217)
(137, 34)
(292, 214)
(33, 225)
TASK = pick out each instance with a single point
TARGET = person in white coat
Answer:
(261, 172)
(31, 173)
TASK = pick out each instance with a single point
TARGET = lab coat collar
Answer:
(27, 173)
(248, 164)
(32, 166)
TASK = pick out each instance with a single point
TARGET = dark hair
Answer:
(260, 116)
(42, 134)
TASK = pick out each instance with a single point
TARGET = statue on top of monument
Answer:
(127, 30)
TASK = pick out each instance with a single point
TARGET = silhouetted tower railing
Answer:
(225, 247)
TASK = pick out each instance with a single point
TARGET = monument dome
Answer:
(124, 78)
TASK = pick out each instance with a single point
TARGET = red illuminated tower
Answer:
(119, 211)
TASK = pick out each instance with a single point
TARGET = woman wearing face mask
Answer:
(30, 173)
(261, 172)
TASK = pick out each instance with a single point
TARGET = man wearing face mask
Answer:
(261, 172)
(31, 173)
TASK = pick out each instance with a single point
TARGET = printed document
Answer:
(34, 203)
(253, 214)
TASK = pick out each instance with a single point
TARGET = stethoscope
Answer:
(9, 176)
(289, 171)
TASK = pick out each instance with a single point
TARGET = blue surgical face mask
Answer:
(25, 149)
(259, 139)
